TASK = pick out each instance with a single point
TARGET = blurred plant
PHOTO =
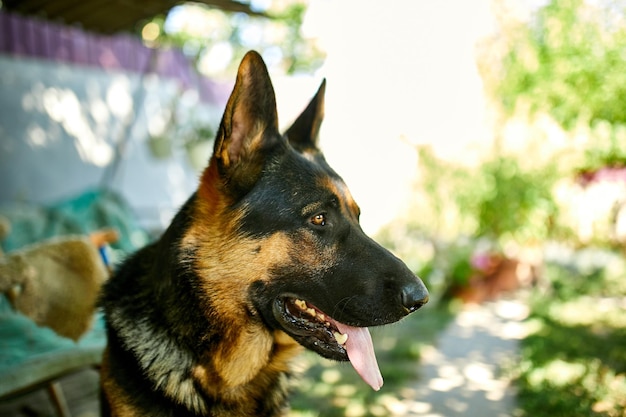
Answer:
(188, 126)
(454, 261)
(607, 150)
(565, 59)
(513, 203)
(499, 200)
(573, 362)
(217, 40)
(465, 215)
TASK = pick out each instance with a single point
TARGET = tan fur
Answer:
(349, 206)
(55, 283)
(228, 265)
(312, 255)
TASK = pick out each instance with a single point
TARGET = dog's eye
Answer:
(319, 219)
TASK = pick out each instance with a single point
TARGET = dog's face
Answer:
(314, 273)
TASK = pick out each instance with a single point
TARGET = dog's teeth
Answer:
(301, 304)
(340, 337)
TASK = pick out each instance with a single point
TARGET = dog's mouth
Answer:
(331, 339)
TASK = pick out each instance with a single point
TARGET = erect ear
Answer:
(249, 126)
(304, 132)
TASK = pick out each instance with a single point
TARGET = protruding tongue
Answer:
(361, 354)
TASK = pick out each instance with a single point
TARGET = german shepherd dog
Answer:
(265, 257)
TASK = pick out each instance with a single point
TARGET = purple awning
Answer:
(28, 37)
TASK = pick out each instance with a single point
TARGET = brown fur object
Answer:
(55, 283)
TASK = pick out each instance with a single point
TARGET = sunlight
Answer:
(99, 111)
(446, 384)
(355, 409)
(36, 136)
(176, 183)
(393, 84)
(118, 97)
(478, 373)
(64, 107)
(394, 405)
(331, 376)
(150, 32)
(558, 372)
(419, 407)
(217, 58)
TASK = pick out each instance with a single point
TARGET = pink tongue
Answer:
(361, 354)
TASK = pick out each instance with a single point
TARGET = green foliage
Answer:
(568, 61)
(440, 214)
(513, 202)
(499, 200)
(205, 30)
(299, 54)
(460, 268)
(573, 362)
(607, 149)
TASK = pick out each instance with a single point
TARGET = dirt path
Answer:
(462, 375)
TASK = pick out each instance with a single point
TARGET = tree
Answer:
(217, 40)
(567, 60)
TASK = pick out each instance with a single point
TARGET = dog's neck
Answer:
(237, 379)
(194, 382)
(223, 374)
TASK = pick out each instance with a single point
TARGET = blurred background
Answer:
(485, 142)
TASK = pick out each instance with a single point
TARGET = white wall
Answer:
(60, 125)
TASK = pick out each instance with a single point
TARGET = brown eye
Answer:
(319, 220)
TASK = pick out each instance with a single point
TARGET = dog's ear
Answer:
(249, 126)
(304, 132)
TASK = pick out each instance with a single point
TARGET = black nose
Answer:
(413, 296)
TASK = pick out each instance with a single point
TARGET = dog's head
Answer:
(311, 271)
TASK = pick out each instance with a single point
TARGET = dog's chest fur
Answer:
(179, 346)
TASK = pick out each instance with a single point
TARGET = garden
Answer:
(540, 213)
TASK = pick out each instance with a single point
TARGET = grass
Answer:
(332, 389)
(574, 359)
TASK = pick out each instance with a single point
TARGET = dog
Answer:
(266, 257)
